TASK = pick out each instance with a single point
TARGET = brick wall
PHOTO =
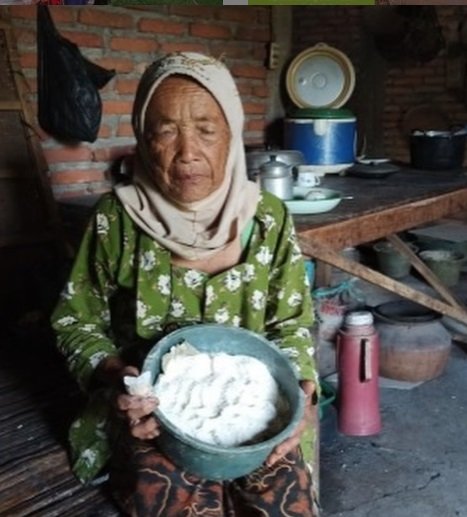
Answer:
(128, 40)
(402, 87)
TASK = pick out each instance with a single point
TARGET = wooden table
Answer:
(381, 208)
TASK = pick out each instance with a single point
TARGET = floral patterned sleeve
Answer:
(82, 317)
(289, 314)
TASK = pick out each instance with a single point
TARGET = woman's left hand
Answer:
(294, 440)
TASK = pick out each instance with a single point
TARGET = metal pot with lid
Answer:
(276, 177)
(438, 149)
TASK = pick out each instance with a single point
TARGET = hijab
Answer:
(202, 228)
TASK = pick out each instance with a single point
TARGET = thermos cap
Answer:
(359, 318)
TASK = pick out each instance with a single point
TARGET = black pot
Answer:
(437, 149)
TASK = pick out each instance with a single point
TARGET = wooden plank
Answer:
(376, 224)
(41, 166)
(24, 480)
(87, 501)
(10, 105)
(329, 256)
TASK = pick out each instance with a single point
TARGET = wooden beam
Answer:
(329, 256)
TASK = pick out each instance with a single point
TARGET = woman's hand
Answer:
(294, 440)
(137, 411)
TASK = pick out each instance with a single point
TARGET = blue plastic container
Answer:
(210, 461)
(325, 137)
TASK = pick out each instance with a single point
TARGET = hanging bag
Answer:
(69, 104)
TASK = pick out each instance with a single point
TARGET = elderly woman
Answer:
(189, 240)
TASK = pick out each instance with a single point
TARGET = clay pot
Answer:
(414, 344)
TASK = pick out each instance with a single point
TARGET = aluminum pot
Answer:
(437, 149)
(276, 177)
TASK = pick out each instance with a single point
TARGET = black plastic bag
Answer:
(69, 104)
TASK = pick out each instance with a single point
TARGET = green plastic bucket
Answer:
(445, 264)
(391, 262)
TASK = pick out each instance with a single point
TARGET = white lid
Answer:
(320, 77)
(359, 318)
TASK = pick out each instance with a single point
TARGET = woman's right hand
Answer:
(137, 411)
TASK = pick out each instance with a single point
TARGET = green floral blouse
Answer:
(123, 294)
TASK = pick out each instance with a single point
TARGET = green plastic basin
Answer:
(209, 461)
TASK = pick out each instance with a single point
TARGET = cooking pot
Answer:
(437, 149)
(414, 345)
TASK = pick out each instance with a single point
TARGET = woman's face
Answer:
(188, 139)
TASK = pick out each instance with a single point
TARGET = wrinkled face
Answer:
(188, 139)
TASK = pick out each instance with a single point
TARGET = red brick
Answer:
(254, 108)
(105, 131)
(84, 39)
(118, 64)
(253, 34)
(61, 14)
(28, 60)
(237, 50)
(23, 11)
(261, 90)
(113, 107)
(202, 12)
(109, 154)
(80, 153)
(133, 44)
(105, 18)
(125, 129)
(25, 36)
(183, 47)
(263, 15)
(76, 176)
(209, 31)
(260, 52)
(252, 71)
(244, 88)
(161, 27)
(126, 86)
(256, 125)
(237, 14)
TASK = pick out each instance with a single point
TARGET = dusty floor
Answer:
(416, 467)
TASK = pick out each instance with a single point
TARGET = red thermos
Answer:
(357, 369)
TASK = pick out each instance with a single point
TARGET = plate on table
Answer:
(313, 200)
(372, 168)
